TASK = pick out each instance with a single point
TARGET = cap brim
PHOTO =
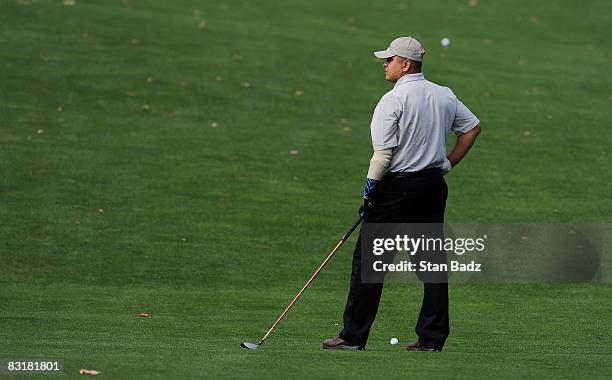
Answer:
(383, 54)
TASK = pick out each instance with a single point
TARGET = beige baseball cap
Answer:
(406, 47)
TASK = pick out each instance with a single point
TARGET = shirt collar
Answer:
(409, 78)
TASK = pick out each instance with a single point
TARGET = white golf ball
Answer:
(394, 341)
(445, 42)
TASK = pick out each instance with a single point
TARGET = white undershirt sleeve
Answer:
(379, 163)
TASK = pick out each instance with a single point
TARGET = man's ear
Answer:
(406, 65)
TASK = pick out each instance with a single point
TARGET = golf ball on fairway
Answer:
(394, 341)
(445, 42)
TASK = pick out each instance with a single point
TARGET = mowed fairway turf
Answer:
(146, 166)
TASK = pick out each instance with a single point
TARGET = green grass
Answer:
(498, 331)
(213, 230)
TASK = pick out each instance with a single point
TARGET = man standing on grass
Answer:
(405, 184)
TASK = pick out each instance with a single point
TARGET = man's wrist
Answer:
(447, 166)
(370, 187)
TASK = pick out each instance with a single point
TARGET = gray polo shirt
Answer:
(414, 119)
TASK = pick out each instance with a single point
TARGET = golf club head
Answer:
(250, 346)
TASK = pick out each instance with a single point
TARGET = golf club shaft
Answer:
(331, 254)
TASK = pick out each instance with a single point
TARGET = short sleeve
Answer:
(464, 120)
(384, 123)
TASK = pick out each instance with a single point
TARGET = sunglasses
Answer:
(390, 59)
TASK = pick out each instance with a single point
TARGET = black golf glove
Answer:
(366, 207)
(368, 190)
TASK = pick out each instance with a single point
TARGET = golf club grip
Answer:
(331, 254)
(353, 227)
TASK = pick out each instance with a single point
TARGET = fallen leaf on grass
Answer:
(89, 372)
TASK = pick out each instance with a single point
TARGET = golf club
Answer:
(255, 346)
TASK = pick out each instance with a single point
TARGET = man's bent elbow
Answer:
(476, 130)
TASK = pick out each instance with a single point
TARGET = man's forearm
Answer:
(378, 166)
(463, 145)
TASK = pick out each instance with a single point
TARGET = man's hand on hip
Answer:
(463, 144)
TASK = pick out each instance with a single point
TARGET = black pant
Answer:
(414, 198)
